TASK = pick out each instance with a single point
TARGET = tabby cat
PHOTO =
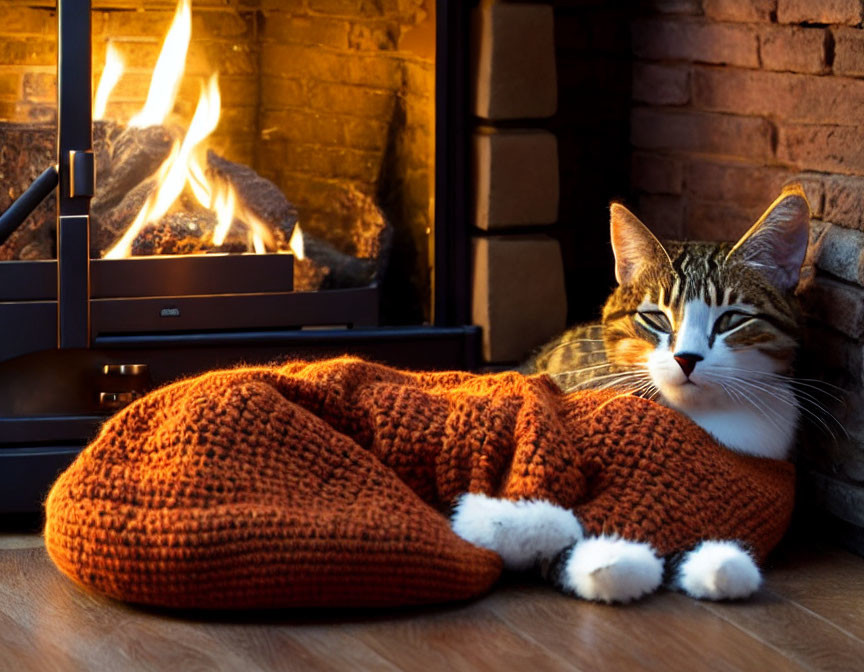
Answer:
(709, 329)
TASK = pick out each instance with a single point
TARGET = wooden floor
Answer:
(810, 615)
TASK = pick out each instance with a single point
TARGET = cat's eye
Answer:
(730, 320)
(656, 320)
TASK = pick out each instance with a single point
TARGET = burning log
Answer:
(132, 156)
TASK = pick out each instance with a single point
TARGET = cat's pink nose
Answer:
(687, 361)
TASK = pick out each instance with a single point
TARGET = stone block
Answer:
(825, 11)
(513, 61)
(515, 178)
(795, 49)
(696, 41)
(840, 252)
(658, 84)
(720, 134)
(844, 200)
(837, 304)
(848, 51)
(656, 174)
(519, 296)
(743, 11)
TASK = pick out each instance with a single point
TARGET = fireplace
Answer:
(378, 140)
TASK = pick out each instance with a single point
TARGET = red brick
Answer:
(739, 10)
(663, 214)
(823, 11)
(656, 174)
(828, 148)
(844, 200)
(848, 51)
(725, 135)
(719, 220)
(287, 28)
(742, 184)
(787, 96)
(661, 84)
(357, 101)
(696, 40)
(795, 49)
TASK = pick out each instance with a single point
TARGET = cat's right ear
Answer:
(633, 244)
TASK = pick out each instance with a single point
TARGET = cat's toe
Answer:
(718, 570)
(521, 532)
(610, 569)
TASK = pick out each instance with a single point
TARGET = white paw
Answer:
(718, 570)
(611, 569)
(522, 533)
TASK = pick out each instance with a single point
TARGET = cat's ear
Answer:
(776, 244)
(634, 245)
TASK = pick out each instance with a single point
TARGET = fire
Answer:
(185, 166)
(168, 71)
(110, 76)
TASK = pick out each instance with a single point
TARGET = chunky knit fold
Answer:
(327, 484)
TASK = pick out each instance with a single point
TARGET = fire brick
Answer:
(744, 184)
(848, 51)
(739, 10)
(516, 178)
(824, 11)
(795, 48)
(519, 297)
(513, 54)
(656, 174)
(828, 148)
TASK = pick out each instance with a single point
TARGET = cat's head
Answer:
(711, 323)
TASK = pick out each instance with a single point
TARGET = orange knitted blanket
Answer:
(325, 484)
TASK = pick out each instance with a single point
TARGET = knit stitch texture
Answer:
(325, 483)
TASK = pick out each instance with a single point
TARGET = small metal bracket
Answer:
(82, 173)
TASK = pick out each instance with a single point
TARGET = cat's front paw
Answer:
(610, 569)
(718, 570)
(523, 532)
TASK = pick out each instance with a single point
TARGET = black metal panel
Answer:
(73, 281)
(27, 326)
(349, 307)
(192, 275)
(452, 263)
(28, 281)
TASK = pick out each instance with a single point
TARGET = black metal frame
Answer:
(53, 399)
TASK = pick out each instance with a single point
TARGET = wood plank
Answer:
(827, 581)
(663, 632)
(799, 633)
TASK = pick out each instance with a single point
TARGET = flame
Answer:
(296, 243)
(185, 165)
(168, 71)
(172, 174)
(110, 76)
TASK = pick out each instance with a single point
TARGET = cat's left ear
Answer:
(776, 244)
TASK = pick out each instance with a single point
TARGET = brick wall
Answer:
(731, 99)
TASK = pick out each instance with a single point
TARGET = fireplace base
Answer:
(69, 393)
